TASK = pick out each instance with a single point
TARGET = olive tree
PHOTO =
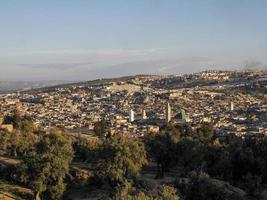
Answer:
(44, 168)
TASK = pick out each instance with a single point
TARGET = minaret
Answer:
(144, 114)
(131, 115)
(231, 106)
(168, 113)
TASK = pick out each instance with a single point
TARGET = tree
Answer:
(202, 187)
(162, 147)
(101, 128)
(26, 143)
(27, 125)
(14, 118)
(45, 167)
(120, 159)
(15, 139)
(85, 149)
(4, 139)
(22, 123)
(204, 132)
(18, 143)
(163, 192)
(173, 130)
(190, 154)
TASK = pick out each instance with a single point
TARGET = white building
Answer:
(231, 106)
(131, 115)
(168, 113)
(144, 114)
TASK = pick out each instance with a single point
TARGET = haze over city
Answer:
(85, 40)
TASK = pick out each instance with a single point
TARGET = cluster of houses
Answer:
(141, 105)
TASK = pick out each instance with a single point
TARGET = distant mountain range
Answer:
(9, 86)
(174, 81)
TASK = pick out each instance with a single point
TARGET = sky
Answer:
(88, 39)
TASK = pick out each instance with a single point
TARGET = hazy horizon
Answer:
(85, 40)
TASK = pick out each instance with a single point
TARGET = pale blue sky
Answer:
(87, 39)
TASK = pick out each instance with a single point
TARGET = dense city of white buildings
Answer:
(141, 104)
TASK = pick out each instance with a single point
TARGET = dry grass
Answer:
(12, 191)
(8, 160)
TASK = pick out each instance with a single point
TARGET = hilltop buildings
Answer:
(141, 104)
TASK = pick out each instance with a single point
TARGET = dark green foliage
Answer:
(180, 145)
(27, 125)
(202, 187)
(162, 147)
(4, 139)
(14, 118)
(101, 128)
(21, 123)
(120, 159)
(45, 167)
(16, 143)
(204, 133)
(85, 149)
(194, 153)
(218, 162)
(163, 192)
(190, 155)
(242, 163)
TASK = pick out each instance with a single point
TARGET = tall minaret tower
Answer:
(231, 104)
(168, 113)
(131, 115)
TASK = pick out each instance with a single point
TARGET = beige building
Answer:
(8, 127)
